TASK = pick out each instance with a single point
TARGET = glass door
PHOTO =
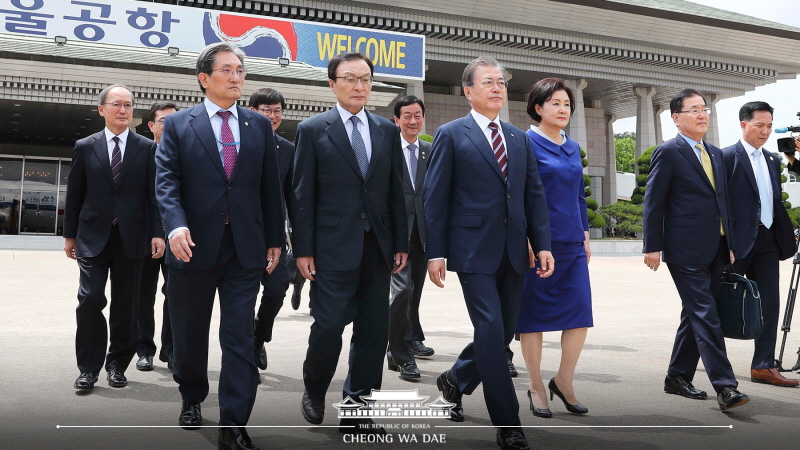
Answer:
(39, 197)
(10, 178)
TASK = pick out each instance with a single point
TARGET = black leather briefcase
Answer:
(739, 307)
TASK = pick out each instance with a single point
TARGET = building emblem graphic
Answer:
(389, 404)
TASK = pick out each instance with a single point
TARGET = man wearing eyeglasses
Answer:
(686, 217)
(270, 103)
(349, 234)
(111, 224)
(484, 201)
(220, 198)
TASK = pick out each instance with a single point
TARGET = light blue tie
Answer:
(412, 164)
(763, 193)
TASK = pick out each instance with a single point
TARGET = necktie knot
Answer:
(356, 121)
(412, 148)
(224, 114)
(493, 126)
(116, 139)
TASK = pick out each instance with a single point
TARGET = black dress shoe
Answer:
(393, 366)
(313, 409)
(512, 370)
(116, 378)
(86, 381)
(409, 371)
(168, 356)
(234, 438)
(729, 397)
(452, 394)
(261, 355)
(360, 426)
(420, 349)
(145, 363)
(511, 438)
(191, 418)
(296, 298)
(574, 409)
(681, 386)
(539, 412)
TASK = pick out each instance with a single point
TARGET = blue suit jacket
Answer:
(193, 191)
(682, 211)
(472, 215)
(745, 202)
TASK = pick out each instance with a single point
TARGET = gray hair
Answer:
(468, 77)
(101, 99)
(208, 57)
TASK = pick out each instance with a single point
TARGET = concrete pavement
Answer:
(619, 377)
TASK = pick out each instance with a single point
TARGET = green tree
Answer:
(623, 219)
(625, 149)
(643, 161)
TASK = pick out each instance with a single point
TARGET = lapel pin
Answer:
(246, 124)
(770, 158)
(512, 134)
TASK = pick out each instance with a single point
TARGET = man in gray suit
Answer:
(405, 332)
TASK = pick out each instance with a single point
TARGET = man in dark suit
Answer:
(110, 214)
(762, 230)
(220, 199)
(349, 234)
(145, 345)
(270, 103)
(686, 217)
(405, 331)
(483, 202)
(792, 163)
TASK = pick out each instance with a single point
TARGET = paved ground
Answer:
(619, 379)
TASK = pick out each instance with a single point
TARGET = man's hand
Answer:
(652, 260)
(181, 245)
(157, 247)
(400, 260)
(306, 267)
(547, 263)
(733, 258)
(436, 272)
(273, 257)
(70, 246)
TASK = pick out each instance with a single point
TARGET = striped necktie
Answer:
(116, 168)
(499, 149)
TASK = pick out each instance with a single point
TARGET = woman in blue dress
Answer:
(562, 302)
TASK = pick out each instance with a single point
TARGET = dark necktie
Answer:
(116, 168)
(229, 153)
(499, 149)
(412, 163)
(360, 149)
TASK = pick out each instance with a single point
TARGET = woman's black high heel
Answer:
(539, 412)
(575, 409)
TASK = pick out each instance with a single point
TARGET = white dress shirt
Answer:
(764, 169)
(216, 124)
(123, 139)
(407, 156)
(363, 127)
(483, 122)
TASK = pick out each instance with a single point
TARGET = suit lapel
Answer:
(202, 128)
(422, 163)
(246, 140)
(475, 134)
(774, 175)
(339, 138)
(744, 161)
(376, 134)
(101, 152)
(688, 153)
(512, 151)
(132, 152)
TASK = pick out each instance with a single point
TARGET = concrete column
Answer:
(712, 135)
(504, 115)
(610, 176)
(415, 88)
(457, 90)
(657, 110)
(577, 123)
(645, 125)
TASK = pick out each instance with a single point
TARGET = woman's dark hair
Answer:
(543, 90)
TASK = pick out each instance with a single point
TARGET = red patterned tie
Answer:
(229, 153)
(499, 149)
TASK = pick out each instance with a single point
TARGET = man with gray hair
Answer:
(220, 198)
(484, 202)
(111, 224)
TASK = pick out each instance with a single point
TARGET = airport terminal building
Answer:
(623, 58)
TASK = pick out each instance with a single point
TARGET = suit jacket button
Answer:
(222, 212)
(365, 189)
(413, 212)
(229, 188)
(505, 220)
(363, 216)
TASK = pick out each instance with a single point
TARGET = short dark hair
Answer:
(543, 90)
(406, 101)
(333, 64)
(159, 106)
(676, 104)
(747, 110)
(468, 76)
(101, 99)
(208, 57)
(266, 96)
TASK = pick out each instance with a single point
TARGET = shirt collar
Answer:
(405, 143)
(484, 121)
(749, 148)
(541, 133)
(346, 115)
(122, 136)
(212, 108)
(692, 143)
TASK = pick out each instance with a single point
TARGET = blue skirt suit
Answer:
(562, 301)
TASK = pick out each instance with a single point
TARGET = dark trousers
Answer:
(145, 345)
(762, 266)
(493, 303)
(359, 296)
(699, 334)
(404, 302)
(191, 301)
(275, 286)
(92, 334)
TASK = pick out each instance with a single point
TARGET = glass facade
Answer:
(33, 192)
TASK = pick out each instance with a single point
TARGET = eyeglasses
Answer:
(696, 112)
(266, 111)
(350, 79)
(487, 83)
(228, 72)
(116, 105)
(161, 120)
